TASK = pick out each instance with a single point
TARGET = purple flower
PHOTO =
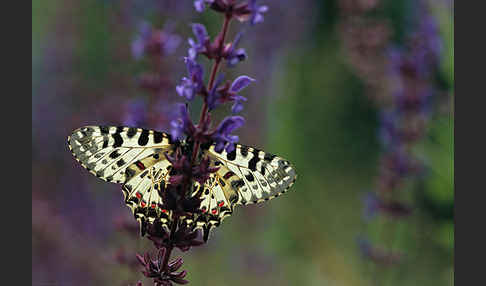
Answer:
(176, 129)
(256, 12)
(199, 5)
(202, 38)
(219, 95)
(223, 137)
(193, 84)
(215, 96)
(238, 105)
(171, 43)
(238, 84)
(138, 46)
(182, 124)
(428, 44)
(234, 55)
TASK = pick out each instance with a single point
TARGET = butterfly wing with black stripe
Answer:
(106, 152)
(255, 176)
(218, 199)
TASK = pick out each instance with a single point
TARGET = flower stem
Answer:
(212, 77)
(171, 247)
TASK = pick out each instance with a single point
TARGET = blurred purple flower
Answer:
(202, 38)
(154, 41)
(256, 12)
(427, 43)
(223, 138)
(138, 45)
(193, 84)
(200, 5)
(420, 57)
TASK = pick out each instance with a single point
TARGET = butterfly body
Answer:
(138, 159)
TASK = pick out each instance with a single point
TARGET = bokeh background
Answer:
(323, 86)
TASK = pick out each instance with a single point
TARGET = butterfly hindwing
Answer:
(217, 200)
(254, 175)
(143, 191)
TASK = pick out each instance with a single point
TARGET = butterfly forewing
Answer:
(107, 151)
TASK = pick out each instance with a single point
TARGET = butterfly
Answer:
(136, 159)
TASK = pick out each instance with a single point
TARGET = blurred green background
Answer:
(309, 105)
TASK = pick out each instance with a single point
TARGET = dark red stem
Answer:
(171, 247)
(212, 77)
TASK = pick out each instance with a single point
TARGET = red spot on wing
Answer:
(153, 206)
(164, 211)
(221, 204)
(143, 204)
(228, 175)
(138, 195)
(214, 211)
(140, 165)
